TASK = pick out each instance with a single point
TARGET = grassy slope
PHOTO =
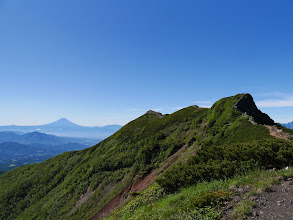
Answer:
(51, 189)
(197, 201)
(229, 138)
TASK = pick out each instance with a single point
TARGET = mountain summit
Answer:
(247, 105)
(63, 122)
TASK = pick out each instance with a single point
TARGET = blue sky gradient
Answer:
(99, 62)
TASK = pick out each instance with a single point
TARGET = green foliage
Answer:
(153, 193)
(201, 201)
(222, 113)
(243, 209)
(215, 162)
(76, 185)
(209, 198)
(225, 124)
(53, 188)
(154, 204)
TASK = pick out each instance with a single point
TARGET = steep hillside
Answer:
(76, 185)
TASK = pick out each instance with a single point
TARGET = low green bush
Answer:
(217, 162)
(208, 198)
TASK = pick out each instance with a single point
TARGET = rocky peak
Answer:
(247, 105)
(63, 122)
(160, 115)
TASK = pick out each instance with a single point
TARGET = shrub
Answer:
(209, 198)
(218, 162)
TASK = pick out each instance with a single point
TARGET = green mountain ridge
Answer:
(76, 185)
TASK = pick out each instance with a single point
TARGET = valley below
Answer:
(35, 147)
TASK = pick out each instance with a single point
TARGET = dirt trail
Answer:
(277, 204)
(279, 133)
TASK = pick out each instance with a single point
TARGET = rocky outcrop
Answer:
(246, 105)
(160, 115)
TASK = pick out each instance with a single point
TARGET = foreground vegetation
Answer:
(76, 185)
(218, 162)
(206, 200)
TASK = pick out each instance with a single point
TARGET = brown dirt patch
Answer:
(143, 183)
(203, 124)
(279, 133)
(170, 160)
(112, 204)
(137, 187)
(277, 204)
(124, 195)
(83, 198)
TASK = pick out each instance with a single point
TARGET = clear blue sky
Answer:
(99, 62)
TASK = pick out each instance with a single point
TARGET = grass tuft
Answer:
(243, 209)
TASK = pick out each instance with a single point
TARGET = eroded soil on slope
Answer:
(137, 187)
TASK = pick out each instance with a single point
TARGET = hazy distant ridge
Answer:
(289, 125)
(64, 127)
(20, 149)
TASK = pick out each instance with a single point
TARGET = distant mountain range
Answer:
(289, 125)
(64, 127)
(14, 154)
(42, 138)
(13, 148)
(21, 145)
(17, 149)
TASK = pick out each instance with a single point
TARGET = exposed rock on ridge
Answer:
(246, 105)
(160, 115)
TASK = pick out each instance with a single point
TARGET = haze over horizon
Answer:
(62, 120)
(99, 63)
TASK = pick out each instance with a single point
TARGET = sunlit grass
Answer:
(175, 206)
(243, 209)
